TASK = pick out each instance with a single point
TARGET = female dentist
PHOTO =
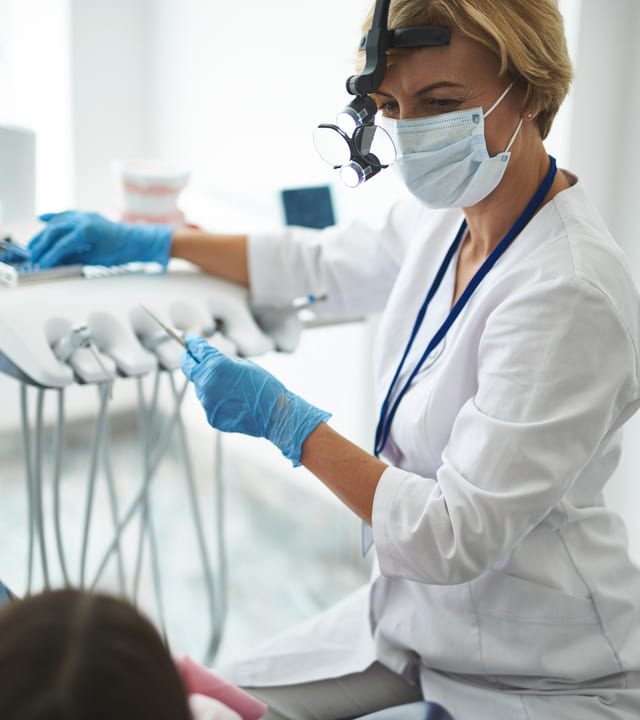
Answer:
(507, 362)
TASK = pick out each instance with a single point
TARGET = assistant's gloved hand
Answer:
(240, 396)
(84, 238)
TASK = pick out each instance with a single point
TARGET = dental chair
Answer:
(422, 710)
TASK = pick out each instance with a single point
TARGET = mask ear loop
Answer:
(495, 105)
(515, 135)
(499, 100)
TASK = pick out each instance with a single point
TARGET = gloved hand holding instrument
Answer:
(240, 396)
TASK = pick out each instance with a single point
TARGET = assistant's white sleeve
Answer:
(556, 368)
(354, 264)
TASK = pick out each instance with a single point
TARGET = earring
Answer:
(530, 115)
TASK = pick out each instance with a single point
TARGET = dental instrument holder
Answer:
(77, 348)
(56, 334)
(48, 311)
(16, 266)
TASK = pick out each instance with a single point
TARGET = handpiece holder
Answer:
(41, 342)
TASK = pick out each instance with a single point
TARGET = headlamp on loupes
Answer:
(355, 145)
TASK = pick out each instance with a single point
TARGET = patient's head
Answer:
(71, 655)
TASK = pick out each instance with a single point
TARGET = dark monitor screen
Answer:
(310, 207)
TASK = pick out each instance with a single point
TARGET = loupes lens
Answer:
(332, 144)
(358, 157)
(376, 141)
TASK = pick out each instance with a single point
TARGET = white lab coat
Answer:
(503, 579)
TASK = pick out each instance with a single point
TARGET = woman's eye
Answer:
(443, 102)
(421, 107)
(387, 107)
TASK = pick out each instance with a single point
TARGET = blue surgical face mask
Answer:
(444, 161)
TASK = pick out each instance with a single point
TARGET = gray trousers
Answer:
(338, 698)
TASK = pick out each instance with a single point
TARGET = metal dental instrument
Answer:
(169, 330)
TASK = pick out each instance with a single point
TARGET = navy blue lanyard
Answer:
(387, 414)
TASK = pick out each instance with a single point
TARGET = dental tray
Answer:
(16, 266)
(18, 274)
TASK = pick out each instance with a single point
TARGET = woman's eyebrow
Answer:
(427, 88)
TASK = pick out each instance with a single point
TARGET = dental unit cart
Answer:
(88, 326)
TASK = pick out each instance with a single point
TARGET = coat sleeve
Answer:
(354, 264)
(556, 373)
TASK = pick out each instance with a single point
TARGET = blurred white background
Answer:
(234, 90)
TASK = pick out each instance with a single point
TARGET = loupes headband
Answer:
(355, 146)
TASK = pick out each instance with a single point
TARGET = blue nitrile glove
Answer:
(240, 396)
(83, 238)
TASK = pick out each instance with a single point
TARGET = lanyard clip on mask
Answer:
(355, 146)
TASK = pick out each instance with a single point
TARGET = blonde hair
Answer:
(527, 37)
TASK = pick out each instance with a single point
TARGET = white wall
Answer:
(233, 91)
(35, 89)
(111, 80)
(603, 147)
(624, 220)
(558, 140)
(605, 152)
(239, 89)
